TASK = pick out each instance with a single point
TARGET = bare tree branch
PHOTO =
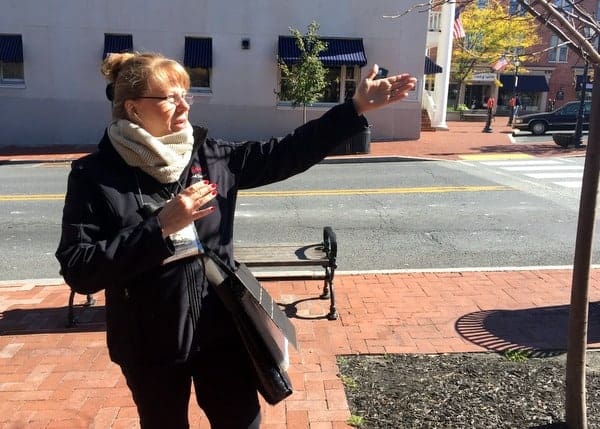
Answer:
(560, 26)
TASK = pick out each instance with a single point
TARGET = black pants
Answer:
(224, 383)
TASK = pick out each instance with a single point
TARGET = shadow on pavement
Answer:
(51, 320)
(541, 330)
(291, 310)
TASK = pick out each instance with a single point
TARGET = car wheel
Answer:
(538, 128)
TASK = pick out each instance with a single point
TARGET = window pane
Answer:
(562, 56)
(350, 88)
(285, 90)
(199, 77)
(552, 53)
(350, 72)
(12, 71)
(331, 94)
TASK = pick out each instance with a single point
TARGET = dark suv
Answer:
(561, 119)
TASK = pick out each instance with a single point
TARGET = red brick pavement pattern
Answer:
(467, 138)
(54, 377)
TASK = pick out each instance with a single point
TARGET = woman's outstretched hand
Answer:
(372, 94)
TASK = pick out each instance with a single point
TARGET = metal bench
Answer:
(71, 318)
(475, 115)
(288, 256)
(287, 260)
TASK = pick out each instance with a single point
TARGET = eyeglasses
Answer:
(174, 99)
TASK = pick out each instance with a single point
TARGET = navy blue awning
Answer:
(431, 67)
(526, 83)
(588, 85)
(117, 43)
(198, 52)
(11, 48)
(339, 52)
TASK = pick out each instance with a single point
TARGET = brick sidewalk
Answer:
(53, 377)
(462, 138)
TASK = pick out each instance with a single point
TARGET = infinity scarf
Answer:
(163, 158)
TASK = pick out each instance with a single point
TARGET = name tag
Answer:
(186, 244)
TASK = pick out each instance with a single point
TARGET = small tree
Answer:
(303, 82)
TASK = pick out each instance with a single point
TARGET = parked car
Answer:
(561, 119)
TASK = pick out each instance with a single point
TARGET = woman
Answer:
(156, 183)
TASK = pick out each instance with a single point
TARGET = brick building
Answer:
(551, 80)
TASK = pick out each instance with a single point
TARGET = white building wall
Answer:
(63, 101)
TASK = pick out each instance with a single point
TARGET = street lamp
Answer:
(577, 141)
(513, 109)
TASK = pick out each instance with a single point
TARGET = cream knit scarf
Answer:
(163, 158)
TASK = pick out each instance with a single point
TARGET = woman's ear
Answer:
(131, 110)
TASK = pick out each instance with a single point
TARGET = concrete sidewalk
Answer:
(57, 377)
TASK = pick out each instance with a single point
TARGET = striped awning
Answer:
(431, 67)
(117, 43)
(11, 48)
(525, 83)
(339, 52)
(198, 52)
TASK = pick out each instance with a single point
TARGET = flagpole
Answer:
(444, 58)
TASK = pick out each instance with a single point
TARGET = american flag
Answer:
(500, 64)
(458, 30)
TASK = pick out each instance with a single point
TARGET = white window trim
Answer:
(200, 91)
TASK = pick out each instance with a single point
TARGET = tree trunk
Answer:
(575, 401)
(461, 95)
(304, 113)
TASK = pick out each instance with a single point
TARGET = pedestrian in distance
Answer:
(514, 104)
(157, 187)
(490, 103)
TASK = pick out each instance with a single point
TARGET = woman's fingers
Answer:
(199, 214)
(189, 205)
(203, 199)
(200, 189)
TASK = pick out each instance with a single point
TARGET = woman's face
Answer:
(163, 110)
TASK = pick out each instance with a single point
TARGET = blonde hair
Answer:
(131, 75)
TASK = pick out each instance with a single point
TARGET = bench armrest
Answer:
(330, 243)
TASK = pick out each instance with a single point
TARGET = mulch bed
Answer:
(464, 390)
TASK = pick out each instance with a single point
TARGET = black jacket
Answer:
(109, 242)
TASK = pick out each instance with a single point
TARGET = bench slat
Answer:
(282, 255)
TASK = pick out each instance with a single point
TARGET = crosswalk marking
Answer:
(484, 156)
(554, 175)
(569, 184)
(544, 167)
(561, 172)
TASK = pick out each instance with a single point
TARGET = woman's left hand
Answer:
(375, 93)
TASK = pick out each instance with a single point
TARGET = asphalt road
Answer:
(387, 216)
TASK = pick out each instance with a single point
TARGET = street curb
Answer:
(373, 159)
(291, 273)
